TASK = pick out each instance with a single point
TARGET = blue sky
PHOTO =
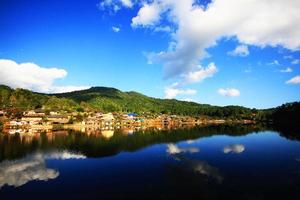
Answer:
(158, 48)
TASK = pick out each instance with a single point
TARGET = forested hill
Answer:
(107, 99)
(111, 99)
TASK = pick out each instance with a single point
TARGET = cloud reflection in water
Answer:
(235, 148)
(196, 166)
(32, 167)
(174, 149)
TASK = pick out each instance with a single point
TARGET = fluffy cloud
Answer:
(199, 28)
(229, 92)
(127, 3)
(195, 28)
(195, 76)
(115, 5)
(172, 91)
(115, 29)
(61, 89)
(235, 148)
(33, 77)
(286, 70)
(294, 80)
(148, 15)
(240, 50)
(201, 74)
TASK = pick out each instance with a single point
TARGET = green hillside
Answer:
(111, 99)
(26, 99)
(107, 99)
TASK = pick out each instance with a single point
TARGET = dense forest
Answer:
(113, 100)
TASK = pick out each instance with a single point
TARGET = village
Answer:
(39, 120)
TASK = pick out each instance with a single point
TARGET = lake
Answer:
(210, 162)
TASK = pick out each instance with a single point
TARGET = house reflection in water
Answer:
(107, 133)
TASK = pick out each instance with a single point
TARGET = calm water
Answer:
(221, 162)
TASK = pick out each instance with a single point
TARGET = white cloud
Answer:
(174, 149)
(148, 15)
(229, 92)
(294, 80)
(127, 3)
(115, 29)
(68, 88)
(199, 29)
(235, 148)
(198, 75)
(173, 91)
(33, 77)
(240, 50)
(286, 70)
(295, 62)
(195, 29)
(188, 100)
(201, 73)
(115, 5)
(274, 62)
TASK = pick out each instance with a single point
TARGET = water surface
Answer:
(214, 162)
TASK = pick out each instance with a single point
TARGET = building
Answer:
(58, 119)
(33, 113)
(93, 121)
(32, 119)
(107, 119)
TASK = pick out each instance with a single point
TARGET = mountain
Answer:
(25, 99)
(108, 99)
(111, 99)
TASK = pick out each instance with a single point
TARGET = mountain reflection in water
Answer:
(209, 162)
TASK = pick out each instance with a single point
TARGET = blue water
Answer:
(260, 165)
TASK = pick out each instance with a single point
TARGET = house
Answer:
(127, 120)
(58, 119)
(53, 113)
(32, 119)
(107, 119)
(15, 123)
(93, 121)
(34, 113)
(166, 121)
